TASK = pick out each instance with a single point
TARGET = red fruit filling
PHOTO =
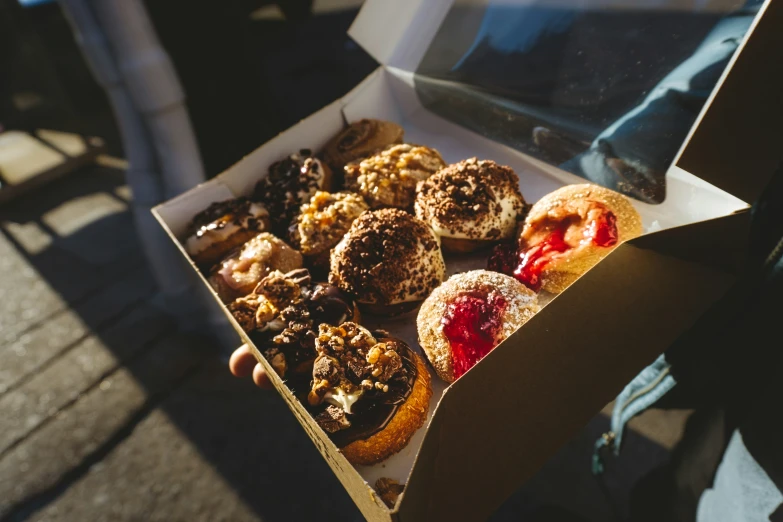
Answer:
(472, 325)
(526, 265)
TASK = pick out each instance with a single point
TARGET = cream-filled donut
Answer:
(471, 204)
(389, 261)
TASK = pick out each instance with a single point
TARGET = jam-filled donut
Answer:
(222, 227)
(322, 223)
(389, 178)
(389, 261)
(359, 140)
(565, 234)
(239, 273)
(468, 315)
(369, 394)
(291, 182)
(471, 204)
(282, 316)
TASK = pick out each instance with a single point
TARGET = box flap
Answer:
(608, 90)
(593, 339)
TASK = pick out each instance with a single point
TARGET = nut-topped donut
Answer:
(222, 227)
(471, 204)
(468, 315)
(565, 234)
(282, 316)
(359, 140)
(370, 394)
(389, 178)
(238, 274)
(290, 183)
(389, 260)
(323, 222)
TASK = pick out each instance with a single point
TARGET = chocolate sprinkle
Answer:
(387, 257)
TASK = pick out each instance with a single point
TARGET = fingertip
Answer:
(242, 361)
(261, 378)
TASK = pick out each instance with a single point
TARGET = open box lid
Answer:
(614, 91)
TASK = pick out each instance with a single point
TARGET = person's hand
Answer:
(243, 363)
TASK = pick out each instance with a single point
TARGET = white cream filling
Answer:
(429, 263)
(339, 397)
(506, 221)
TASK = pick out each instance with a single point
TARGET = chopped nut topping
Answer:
(323, 221)
(332, 419)
(351, 360)
(388, 179)
(389, 490)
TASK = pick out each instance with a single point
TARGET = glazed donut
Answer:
(359, 140)
(389, 178)
(468, 315)
(369, 395)
(389, 261)
(322, 223)
(471, 204)
(291, 182)
(239, 273)
(282, 316)
(565, 234)
(222, 227)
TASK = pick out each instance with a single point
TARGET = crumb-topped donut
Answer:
(238, 274)
(370, 395)
(471, 204)
(565, 234)
(468, 315)
(359, 140)
(323, 222)
(389, 178)
(290, 183)
(282, 316)
(222, 227)
(389, 260)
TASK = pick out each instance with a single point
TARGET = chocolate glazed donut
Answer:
(370, 395)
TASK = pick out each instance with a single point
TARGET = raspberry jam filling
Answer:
(472, 325)
(526, 265)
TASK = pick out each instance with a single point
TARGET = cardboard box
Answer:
(496, 426)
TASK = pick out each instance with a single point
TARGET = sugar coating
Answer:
(522, 305)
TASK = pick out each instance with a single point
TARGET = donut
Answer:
(290, 183)
(369, 394)
(389, 261)
(239, 273)
(359, 140)
(282, 315)
(565, 234)
(222, 227)
(468, 315)
(471, 204)
(389, 178)
(322, 223)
